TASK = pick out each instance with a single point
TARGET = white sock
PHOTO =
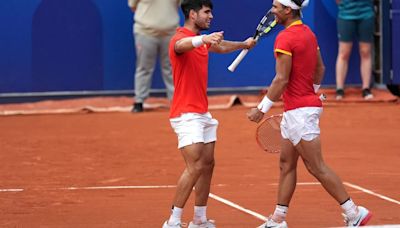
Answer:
(176, 215)
(280, 213)
(349, 208)
(200, 214)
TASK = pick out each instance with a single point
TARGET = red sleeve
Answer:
(282, 45)
(178, 36)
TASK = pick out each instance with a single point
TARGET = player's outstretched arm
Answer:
(189, 43)
(226, 46)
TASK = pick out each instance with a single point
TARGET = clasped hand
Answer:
(255, 115)
(214, 38)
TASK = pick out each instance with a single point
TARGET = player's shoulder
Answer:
(285, 34)
(310, 31)
(307, 28)
(301, 29)
(179, 34)
(181, 30)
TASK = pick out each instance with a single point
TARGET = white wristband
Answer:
(316, 87)
(197, 41)
(265, 104)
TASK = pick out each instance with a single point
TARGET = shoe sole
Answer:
(366, 219)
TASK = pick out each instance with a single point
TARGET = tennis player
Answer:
(299, 71)
(195, 127)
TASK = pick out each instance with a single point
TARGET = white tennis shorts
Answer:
(194, 128)
(301, 123)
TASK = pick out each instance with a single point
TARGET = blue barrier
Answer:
(87, 45)
(395, 75)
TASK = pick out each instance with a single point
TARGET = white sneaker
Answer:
(361, 219)
(177, 225)
(207, 224)
(272, 224)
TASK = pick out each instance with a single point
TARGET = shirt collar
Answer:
(298, 22)
(186, 31)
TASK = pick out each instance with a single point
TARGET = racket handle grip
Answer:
(238, 59)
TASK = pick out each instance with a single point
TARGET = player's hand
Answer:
(255, 115)
(213, 38)
(250, 43)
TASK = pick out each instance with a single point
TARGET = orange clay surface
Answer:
(43, 156)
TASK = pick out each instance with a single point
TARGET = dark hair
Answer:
(196, 5)
(296, 13)
(298, 2)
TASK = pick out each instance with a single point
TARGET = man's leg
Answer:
(194, 168)
(342, 63)
(146, 56)
(346, 33)
(287, 184)
(192, 155)
(366, 64)
(310, 152)
(202, 186)
(365, 30)
(166, 66)
(288, 172)
(287, 179)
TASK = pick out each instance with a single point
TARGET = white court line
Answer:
(218, 185)
(220, 199)
(96, 188)
(12, 190)
(213, 196)
(371, 193)
(301, 183)
(105, 187)
(127, 187)
(385, 226)
(378, 226)
(355, 187)
(236, 206)
(119, 187)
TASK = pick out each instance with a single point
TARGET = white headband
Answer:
(291, 4)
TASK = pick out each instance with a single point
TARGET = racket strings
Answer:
(269, 134)
(266, 24)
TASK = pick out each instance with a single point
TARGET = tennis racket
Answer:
(268, 132)
(265, 25)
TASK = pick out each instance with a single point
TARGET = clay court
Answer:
(118, 169)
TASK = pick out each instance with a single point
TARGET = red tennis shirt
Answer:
(190, 74)
(300, 43)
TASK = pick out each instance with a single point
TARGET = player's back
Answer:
(302, 44)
